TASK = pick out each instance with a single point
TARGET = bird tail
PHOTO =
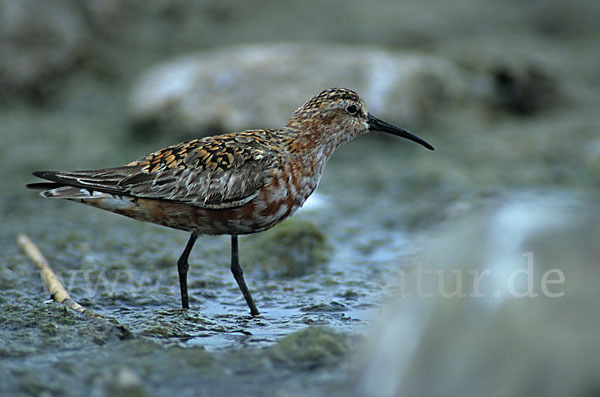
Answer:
(60, 189)
(57, 190)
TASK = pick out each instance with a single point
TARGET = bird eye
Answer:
(352, 109)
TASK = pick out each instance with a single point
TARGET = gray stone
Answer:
(259, 86)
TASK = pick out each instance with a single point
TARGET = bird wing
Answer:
(221, 171)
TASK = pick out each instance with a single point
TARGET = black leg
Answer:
(238, 274)
(182, 268)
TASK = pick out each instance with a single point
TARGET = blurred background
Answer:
(507, 92)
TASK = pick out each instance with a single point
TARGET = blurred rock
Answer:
(40, 42)
(504, 303)
(258, 86)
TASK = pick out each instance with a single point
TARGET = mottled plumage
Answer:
(236, 183)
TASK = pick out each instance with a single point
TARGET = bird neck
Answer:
(307, 154)
(311, 142)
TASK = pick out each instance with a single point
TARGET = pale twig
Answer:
(53, 284)
(49, 279)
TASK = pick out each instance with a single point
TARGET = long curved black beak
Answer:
(376, 124)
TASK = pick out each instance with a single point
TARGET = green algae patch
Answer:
(39, 327)
(292, 249)
(192, 358)
(325, 307)
(311, 348)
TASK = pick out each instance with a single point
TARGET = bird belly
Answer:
(253, 217)
(263, 212)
